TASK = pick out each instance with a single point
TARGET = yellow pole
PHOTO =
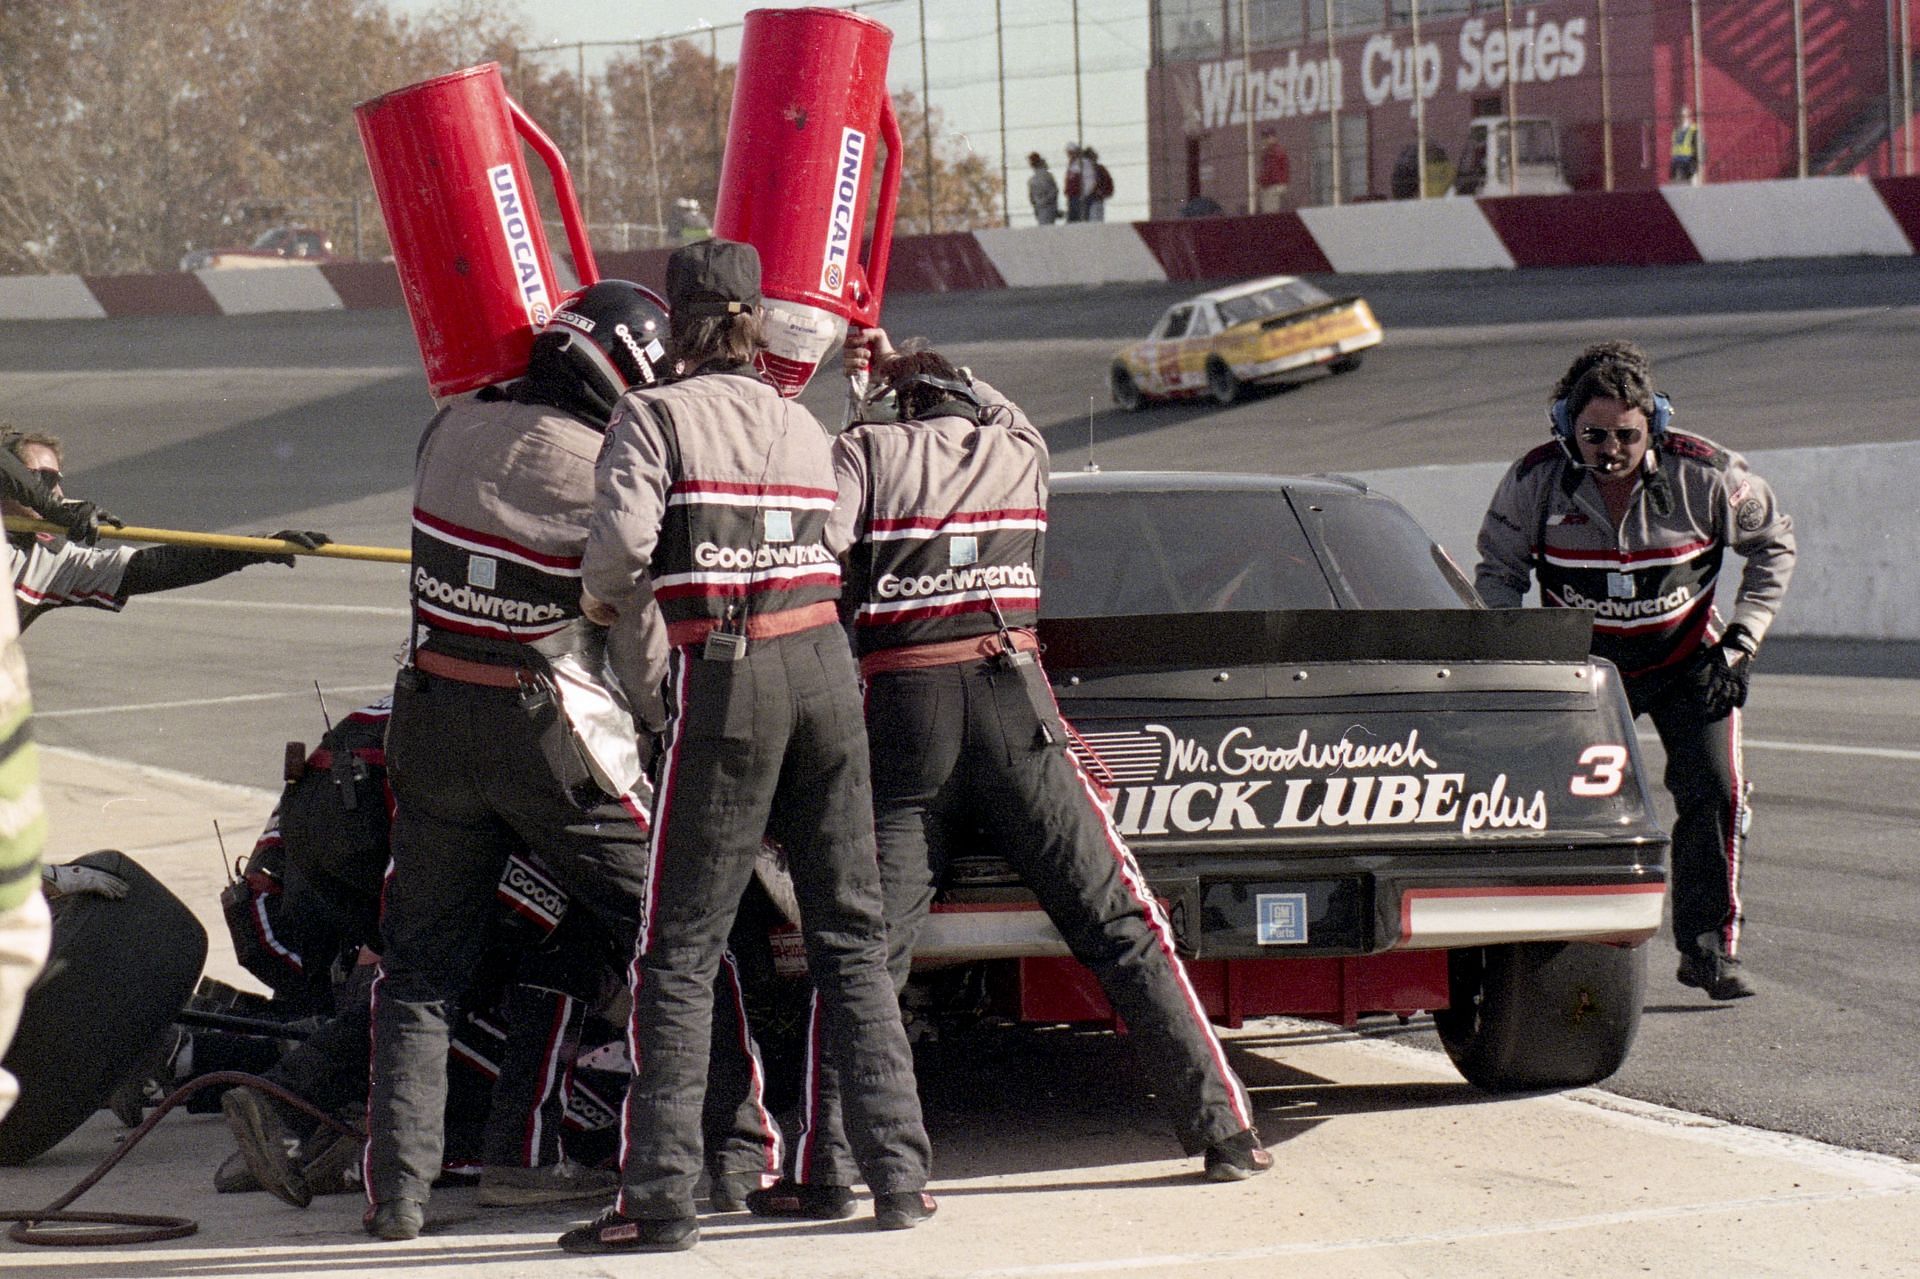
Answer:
(225, 542)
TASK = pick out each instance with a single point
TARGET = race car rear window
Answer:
(1199, 551)
(1382, 555)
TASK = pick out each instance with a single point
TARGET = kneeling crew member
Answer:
(962, 724)
(721, 490)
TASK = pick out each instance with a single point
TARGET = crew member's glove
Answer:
(1728, 669)
(82, 521)
(67, 881)
(306, 541)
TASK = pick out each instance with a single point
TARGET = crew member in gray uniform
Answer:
(942, 518)
(515, 721)
(721, 490)
(1622, 514)
(52, 571)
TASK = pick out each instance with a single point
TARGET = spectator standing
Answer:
(1683, 161)
(1276, 172)
(1076, 186)
(1042, 190)
(1098, 184)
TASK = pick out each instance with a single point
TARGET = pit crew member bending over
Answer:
(1621, 514)
(721, 490)
(942, 521)
(51, 571)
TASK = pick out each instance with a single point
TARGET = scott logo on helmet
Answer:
(846, 191)
(518, 231)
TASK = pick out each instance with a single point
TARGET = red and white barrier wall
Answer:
(1728, 222)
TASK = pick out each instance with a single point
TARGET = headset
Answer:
(1562, 421)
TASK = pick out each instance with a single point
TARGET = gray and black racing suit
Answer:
(508, 731)
(942, 521)
(721, 490)
(50, 572)
(1650, 584)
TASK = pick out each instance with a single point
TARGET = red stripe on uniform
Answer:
(760, 586)
(494, 540)
(958, 520)
(751, 490)
(1163, 936)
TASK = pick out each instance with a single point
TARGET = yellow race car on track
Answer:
(1220, 342)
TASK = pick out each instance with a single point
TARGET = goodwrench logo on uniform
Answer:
(1346, 783)
(518, 230)
(479, 603)
(846, 190)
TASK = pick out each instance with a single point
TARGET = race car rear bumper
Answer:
(1344, 915)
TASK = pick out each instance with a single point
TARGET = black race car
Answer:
(1355, 789)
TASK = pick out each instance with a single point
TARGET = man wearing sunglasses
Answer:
(1624, 516)
(52, 571)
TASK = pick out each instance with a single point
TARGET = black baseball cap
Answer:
(713, 277)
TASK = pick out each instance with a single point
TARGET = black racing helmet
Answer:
(603, 341)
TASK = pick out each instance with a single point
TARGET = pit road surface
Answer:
(247, 425)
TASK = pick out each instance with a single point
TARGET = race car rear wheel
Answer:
(1222, 385)
(1346, 363)
(1542, 1014)
(1126, 392)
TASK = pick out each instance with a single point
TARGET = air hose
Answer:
(32, 1227)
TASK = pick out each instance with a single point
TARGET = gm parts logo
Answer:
(840, 228)
(518, 230)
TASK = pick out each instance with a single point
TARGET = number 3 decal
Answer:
(1607, 768)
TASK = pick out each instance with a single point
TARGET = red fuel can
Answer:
(810, 113)
(467, 238)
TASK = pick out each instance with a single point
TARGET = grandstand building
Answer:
(1589, 92)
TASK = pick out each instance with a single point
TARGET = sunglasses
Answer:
(1598, 434)
(49, 475)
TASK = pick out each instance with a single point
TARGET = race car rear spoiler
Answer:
(1161, 640)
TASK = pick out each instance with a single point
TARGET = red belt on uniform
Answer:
(919, 657)
(788, 621)
(462, 671)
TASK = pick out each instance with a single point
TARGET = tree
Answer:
(966, 192)
(133, 129)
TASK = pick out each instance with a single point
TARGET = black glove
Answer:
(306, 541)
(1727, 670)
(82, 521)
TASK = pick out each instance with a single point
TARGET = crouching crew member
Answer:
(721, 490)
(511, 725)
(942, 517)
(1623, 515)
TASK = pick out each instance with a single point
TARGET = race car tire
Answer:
(1540, 1015)
(1346, 363)
(1222, 385)
(118, 974)
(1126, 392)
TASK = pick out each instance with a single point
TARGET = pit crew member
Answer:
(51, 571)
(941, 518)
(720, 489)
(1621, 514)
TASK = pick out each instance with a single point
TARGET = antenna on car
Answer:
(1092, 467)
